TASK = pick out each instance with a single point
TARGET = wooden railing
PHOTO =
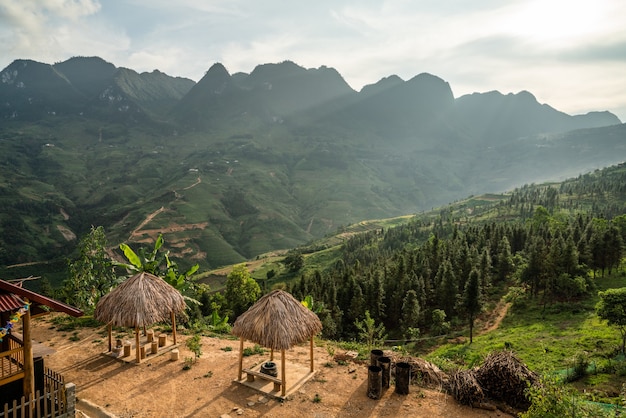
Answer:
(55, 400)
(12, 361)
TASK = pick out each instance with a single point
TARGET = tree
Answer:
(92, 274)
(447, 288)
(439, 324)
(410, 314)
(370, 332)
(613, 244)
(471, 299)
(612, 308)
(241, 290)
(294, 261)
(534, 273)
(504, 260)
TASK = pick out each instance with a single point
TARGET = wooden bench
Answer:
(252, 373)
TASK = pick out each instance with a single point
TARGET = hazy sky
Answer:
(570, 54)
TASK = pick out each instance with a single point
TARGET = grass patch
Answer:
(257, 349)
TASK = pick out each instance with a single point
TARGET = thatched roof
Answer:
(140, 301)
(277, 321)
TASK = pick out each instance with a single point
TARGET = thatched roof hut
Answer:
(140, 301)
(277, 321)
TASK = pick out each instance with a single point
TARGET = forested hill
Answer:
(550, 241)
(239, 165)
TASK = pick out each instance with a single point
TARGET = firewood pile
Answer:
(503, 377)
(465, 388)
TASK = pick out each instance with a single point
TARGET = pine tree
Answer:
(471, 300)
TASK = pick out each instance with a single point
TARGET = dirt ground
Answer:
(160, 387)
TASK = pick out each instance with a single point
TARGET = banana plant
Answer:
(142, 262)
(152, 263)
(316, 307)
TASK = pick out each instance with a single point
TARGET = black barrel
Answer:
(374, 354)
(403, 378)
(384, 363)
(374, 382)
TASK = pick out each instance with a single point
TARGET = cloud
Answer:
(36, 28)
(562, 51)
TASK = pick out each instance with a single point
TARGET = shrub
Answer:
(552, 399)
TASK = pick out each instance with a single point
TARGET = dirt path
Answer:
(145, 222)
(495, 318)
(198, 181)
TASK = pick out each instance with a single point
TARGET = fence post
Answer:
(70, 397)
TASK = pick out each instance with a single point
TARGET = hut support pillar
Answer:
(137, 353)
(173, 316)
(240, 357)
(283, 374)
(312, 364)
(29, 368)
(110, 331)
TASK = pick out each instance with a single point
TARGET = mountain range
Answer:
(237, 165)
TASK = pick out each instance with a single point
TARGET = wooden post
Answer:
(283, 374)
(29, 367)
(240, 356)
(110, 331)
(271, 354)
(137, 353)
(173, 315)
(312, 368)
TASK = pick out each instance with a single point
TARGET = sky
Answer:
(571, 54)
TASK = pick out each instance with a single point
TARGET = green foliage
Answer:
(160, 265)
(294, 261)
(91, 275)
(194, 344)
(316, 307)
(370, 333)
(552, 399)
(612, 308)
(580, 364)
(219, 324)
(69, 323)
(257, 349)
(241, 290)
(439, 325)
(471, 300)
(148, 262)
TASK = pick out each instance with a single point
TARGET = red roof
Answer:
(11, 298)
(10, 302)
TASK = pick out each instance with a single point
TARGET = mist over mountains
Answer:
(236, 165)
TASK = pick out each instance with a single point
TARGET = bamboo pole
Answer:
(173, 316)
(283, 374)
(240, 356)
(138, 355)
